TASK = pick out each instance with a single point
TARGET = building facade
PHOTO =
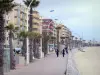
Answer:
(48, 26)
(37, 22)
(18, 18)
(37, 27)
(64, 36)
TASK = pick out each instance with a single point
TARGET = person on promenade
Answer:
(63, 52)
(66, 49)
(57, 52)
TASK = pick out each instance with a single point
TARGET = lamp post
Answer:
(58, 28)
(27, 40)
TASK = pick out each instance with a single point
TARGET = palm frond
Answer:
(6, 5)
(23, 34)
(10, 26)
(16, 29)
(53, 38)
(34, 35)
(34, 4)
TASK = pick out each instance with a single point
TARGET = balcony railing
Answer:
(36, 21)
(35, 26)
(36, 15)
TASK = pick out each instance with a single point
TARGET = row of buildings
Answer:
(18, 17)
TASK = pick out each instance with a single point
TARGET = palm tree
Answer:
(34, 4)
(23, 35)
(12, 29)
(58, 28)
(45, 39)
(35, 36)
(5, 7)
(53, 38)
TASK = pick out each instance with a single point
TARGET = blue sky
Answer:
(81, 16)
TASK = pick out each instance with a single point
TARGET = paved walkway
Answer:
(51, 65)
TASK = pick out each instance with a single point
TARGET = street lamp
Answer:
(58, 28)
(27, 40)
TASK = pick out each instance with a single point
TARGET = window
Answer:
(35, 23)
(35, 29)
(15, 16)
(45, 27)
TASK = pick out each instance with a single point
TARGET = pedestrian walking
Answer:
(57, 52)
(63, 52)
(66, 49)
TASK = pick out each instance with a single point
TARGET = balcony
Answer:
(36, 16)
(36, 30)
(36, 21)
(45, 27)
(35, 26)
(50, 27)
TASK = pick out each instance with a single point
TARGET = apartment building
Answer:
(48, 26)
(37, 27)
(17, 17)
(63, 31)
(64, 34)
(37, 22)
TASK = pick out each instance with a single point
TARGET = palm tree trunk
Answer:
(38, 44)
(34, 48)
(12, 60)
(30, 29)
(1, 43)
(45, 47)
(58, 39)
(24, 47)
